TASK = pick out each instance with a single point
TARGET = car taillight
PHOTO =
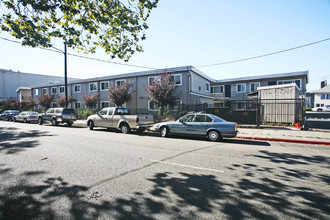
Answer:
(137, 120)
(235, 128)
(61, 116)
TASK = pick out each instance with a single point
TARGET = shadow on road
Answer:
(259, 192)
(12, 140)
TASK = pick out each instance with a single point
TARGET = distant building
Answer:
(10, 81)
(321, 96)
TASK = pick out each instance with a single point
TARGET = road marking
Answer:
(183, 165)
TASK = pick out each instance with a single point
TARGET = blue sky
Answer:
(200, 32)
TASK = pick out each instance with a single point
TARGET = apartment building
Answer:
(239, 88)
(193, 87)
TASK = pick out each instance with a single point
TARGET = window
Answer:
(153, 79)
(254, 86)
(153, 106)
(207, 84)
(44, 91)
(241, 106)
(120, 82)
(122, 111)
(187, 118)
(93, 87)
(328, 96)
(322, 96)
(54, 90)
(317, 105)
(77, 88)
(216, 89)
(51, 110)
(297, 81)
(241, 87)
(104, 104)
(103, 111)
(62, 89)
(35, 92)
(77, 105)
(176, 79)
(110, 111)
(58, 111)
(54, 105)
(104, 86)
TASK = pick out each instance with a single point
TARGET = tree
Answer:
(46, 100)
(61, 100)
(116, 26)
(28, 104)
(161, 92)
(91, 100)
(11, 103)
(119, 94)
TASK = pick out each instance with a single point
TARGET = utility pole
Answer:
(65, 76)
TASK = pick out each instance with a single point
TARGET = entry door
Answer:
(227, 90)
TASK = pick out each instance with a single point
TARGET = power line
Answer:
(84, 57)
(264, 55)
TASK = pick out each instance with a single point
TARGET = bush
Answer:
(84, 113)
(308, 108)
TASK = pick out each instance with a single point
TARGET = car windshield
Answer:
(68, 111)
(217, 119)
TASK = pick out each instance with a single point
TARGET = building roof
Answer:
(269, 76)
(324, 90)
(23, 88)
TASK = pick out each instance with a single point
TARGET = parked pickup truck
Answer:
(120, 118)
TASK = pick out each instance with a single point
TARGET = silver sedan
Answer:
(26, 117)
(205, 125)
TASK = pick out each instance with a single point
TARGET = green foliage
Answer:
(308, 108)
(46, 100)
(116, 26)
(84, 113)
(120, 94)
(91, 100)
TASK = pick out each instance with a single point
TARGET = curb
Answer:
(285, 140)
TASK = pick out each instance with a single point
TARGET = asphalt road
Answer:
(72, 173)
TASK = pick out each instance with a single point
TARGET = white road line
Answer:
(182, 165)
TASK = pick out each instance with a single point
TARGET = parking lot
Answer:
(71, 172)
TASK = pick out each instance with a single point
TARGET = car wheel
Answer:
(40, 122)
(91, 125)
(54, 122)
(213, 135)
(69, 124)
(25, 121)
(164, 132)
(319, 110)
(125, 129)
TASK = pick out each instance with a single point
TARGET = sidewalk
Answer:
(281, 134)
(292, 135)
